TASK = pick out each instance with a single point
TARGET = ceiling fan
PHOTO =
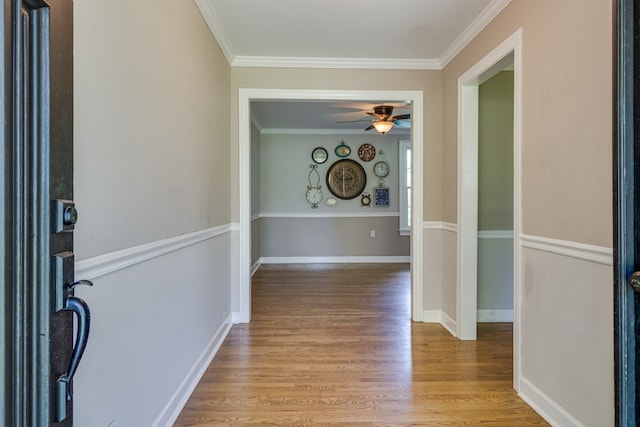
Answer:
(384, 120)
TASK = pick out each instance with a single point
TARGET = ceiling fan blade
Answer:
(401, 117)
(370, 127)
(353, 121)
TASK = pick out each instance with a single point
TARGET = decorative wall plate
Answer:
(346, 179)
(319, 155)
(343, 150)
(366, 152)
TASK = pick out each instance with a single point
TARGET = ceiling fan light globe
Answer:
(383, 126)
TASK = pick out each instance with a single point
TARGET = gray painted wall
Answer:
(289, 227)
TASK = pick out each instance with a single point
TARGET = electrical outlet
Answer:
(373, 233)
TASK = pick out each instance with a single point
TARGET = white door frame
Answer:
(467, 254)
(245, 96)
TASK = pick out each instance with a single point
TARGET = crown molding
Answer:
(352, 63)
(478, 24)
(210, 17)
(276, 131)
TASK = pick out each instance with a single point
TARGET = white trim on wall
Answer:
(478, 24)
(101, 265)
(495, 234)
(440, 225)
(397, 131)
(598, 254)
(548, 409)
(372, 214)
(448, 323)
(335, 260)
(360, 63)
(509, 51)
(174, 407)
(246, 95)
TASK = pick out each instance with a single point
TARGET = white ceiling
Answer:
(391, 34)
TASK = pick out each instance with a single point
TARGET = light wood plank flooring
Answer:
(332, 345)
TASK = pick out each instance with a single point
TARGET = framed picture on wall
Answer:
(381, 197)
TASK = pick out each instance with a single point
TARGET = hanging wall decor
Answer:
(346, 179)
(366, 152)
(342, 150)
(381, 168)
(381, 195)
(314, 191)
(319, 155)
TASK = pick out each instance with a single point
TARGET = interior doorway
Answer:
(509, 52)
(246, 96)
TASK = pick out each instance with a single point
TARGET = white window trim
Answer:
(403, 146)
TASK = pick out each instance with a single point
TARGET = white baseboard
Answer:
(487, 316)
(548, 409)
(449, 324)
(255, 267)
(432, 316)
(175, 405)
(335, 260)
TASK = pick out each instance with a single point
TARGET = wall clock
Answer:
(314, 192)
(366, 152)
(342, 150)
(365, 200)
(346, 179)
(381, 168)
(319, 155)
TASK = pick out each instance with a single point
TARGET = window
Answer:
(404, 167)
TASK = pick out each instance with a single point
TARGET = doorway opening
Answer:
(509, 52)
(246, 96)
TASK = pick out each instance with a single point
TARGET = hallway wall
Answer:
(152, 189)
(566, 257)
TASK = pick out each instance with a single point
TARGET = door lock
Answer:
(635, 281)
(64, 216)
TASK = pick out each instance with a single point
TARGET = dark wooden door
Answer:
(39, 351)
(627, 212)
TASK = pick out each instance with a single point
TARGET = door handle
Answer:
(83, 315)
(634, 281)
(81, 310)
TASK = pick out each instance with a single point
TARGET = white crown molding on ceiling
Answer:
(359, 63)
(478, 24)
(274, 131)
(216, 29)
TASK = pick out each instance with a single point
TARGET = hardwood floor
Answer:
(333, 345)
